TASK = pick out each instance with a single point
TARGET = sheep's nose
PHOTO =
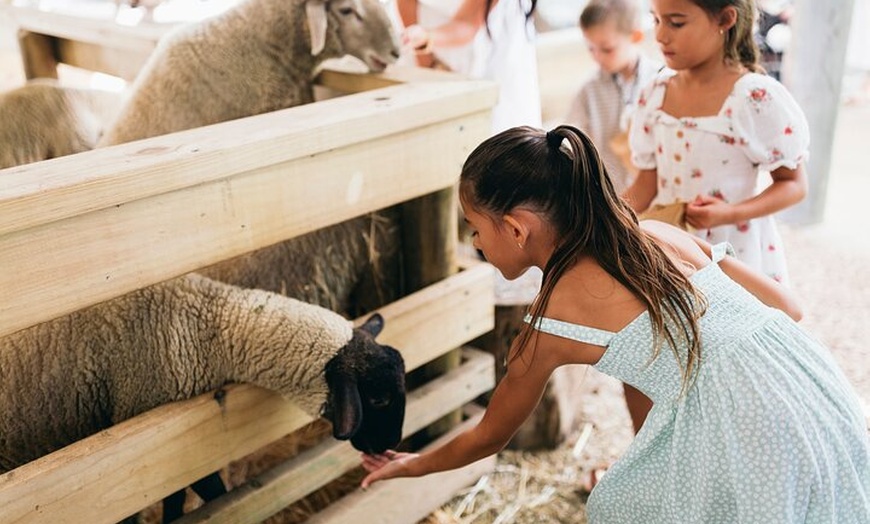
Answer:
(395, 53)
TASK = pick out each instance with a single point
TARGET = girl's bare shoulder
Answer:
(685, 249)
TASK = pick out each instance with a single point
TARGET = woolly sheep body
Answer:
(251, 59)
(351, 267)
(43, 120)
(68, 378)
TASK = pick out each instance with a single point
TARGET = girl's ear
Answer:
(727, 17)
(636, 36)
(517, 227)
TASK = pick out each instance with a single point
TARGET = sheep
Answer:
(70, 377)
(259, 56)
(351, 267)
(42, 120)
(253, 59)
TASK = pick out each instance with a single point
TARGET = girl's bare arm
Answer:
(763, 287)
(642, 192)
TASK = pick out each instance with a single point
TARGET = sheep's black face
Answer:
(367, 391)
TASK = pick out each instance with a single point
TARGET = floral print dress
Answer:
(759, 128)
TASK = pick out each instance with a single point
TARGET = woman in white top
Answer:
(488, 39)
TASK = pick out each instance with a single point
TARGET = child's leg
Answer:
(638, 406)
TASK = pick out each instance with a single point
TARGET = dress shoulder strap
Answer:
(560, 328)
(721, 249)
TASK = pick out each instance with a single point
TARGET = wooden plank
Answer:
(47, 191)
(407, 500)
(464, 309)
(272, 491)
(124, 63)
(103, 31)
(193, 226)
(37, 55)
(116, 472)
(350, 82)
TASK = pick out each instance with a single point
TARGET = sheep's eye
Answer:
(379, 403)
(345, 11)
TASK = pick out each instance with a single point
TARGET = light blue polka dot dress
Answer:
(769, 432)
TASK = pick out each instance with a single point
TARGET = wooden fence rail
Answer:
(82, 229)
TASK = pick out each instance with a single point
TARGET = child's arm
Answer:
(516, 395)
(766, 289)
(642, 192)
(407, 11)
(461, 29)
(788, 188)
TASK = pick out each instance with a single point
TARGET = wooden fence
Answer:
(72, 232)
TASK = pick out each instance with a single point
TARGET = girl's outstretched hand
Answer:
(386, 465)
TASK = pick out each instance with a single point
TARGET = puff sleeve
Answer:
(771, 127)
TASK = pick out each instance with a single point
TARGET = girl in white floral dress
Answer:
(708, 126)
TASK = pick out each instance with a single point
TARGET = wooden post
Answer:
(38, 55)
(543, 429)
(813, 72)
(429, 236)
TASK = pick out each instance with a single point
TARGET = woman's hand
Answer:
(386, 465)
(417, 38)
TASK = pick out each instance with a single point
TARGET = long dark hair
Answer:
(489, 3)
(740, 45)
(560, 175)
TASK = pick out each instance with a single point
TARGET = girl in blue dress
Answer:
(752, 421)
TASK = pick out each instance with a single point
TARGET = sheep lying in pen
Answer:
(71, 377)
(42, 120)
(258, 56)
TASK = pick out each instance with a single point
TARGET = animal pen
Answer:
(72, 232)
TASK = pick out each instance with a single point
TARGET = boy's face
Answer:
(613, 50)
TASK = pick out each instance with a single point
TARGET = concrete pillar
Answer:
(813, 71)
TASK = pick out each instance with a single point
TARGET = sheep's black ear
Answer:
(346, 409)
(373, 325)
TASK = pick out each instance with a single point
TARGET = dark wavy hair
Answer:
(740, 45)
(559, 175)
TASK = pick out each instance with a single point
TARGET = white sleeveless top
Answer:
(505, 55)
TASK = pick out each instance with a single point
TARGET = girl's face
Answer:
(687, 35)
(493, 237)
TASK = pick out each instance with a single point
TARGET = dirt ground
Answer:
(828, 264)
